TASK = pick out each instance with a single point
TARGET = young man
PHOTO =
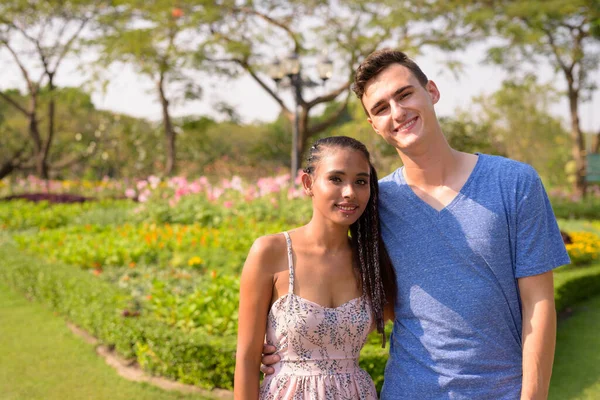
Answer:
(473, 240)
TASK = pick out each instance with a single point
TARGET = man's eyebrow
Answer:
(397, 92)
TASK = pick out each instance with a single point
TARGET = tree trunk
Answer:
(303, 133)
(578, 145)
(43, 161)
(596, 144)
(6, 169)
(168, 127)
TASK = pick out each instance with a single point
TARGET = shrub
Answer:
(98, 306)
(581, 209)
(191, 357)
(585, 247)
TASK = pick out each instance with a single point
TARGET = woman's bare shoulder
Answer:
(270, 251)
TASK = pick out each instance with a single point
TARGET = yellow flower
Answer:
(194, 261)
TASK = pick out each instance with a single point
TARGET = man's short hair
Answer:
(377, 62)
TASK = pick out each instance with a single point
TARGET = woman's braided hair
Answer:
(377, 276)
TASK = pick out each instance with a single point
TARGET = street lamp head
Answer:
(325, 68)
(291, 64)
(275, 71)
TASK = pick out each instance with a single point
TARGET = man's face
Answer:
(400, 109)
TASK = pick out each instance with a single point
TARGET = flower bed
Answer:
(158, 280)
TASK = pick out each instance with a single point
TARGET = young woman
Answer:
(314, 291)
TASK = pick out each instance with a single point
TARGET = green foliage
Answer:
(586, 208)
(584, 249)
(574, 284)
(98, 306)
(468, 135)
(516, 121)
(65, 366)
(577, 363)
(19, 215)
(211, 308)
(164, 292)
(373, 359)
(230, 148)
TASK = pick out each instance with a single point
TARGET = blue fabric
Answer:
(457, 333)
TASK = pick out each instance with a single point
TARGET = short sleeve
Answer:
(539, 244)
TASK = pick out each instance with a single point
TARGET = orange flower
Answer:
(132, 264)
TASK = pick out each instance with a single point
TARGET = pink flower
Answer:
(228, 204)
(154, 181)
(130, 193)
(141, 184)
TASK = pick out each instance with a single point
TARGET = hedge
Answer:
(97, 307)
(587, 208)
(575, 284)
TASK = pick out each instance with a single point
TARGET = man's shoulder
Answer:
(391, 182)
(392, 177)
(508, 169)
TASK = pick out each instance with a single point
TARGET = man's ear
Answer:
(370, 121)
(433, 91)
(307, 184)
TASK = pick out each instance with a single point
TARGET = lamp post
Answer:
(290, 67)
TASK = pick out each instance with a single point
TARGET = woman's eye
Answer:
(335, 179)
(362, 182)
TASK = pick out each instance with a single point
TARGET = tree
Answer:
(163, 40)
(561, 33)
(256, 32)
(519, 124)
(43, 35)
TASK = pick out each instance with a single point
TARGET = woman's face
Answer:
(340, 185)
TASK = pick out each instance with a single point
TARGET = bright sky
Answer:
(134, 95)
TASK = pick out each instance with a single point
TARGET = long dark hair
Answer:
(377, 275)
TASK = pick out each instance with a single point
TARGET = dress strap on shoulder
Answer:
(288, 242)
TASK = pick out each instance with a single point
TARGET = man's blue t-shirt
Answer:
(457, 332)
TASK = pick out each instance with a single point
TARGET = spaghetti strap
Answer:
(288, 242)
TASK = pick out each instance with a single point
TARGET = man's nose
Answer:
(398, 111)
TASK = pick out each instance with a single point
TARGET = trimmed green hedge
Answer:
(587, 208)
(97, 306)
(575, 284)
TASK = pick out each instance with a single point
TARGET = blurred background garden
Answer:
(144, 145)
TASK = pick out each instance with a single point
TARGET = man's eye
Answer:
(380, 110)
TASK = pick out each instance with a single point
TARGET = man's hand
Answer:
(268, 359)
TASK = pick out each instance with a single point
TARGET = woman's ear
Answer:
(307, 184)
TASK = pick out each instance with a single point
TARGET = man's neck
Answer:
(435, 166)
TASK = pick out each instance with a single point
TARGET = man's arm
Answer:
(539, 334)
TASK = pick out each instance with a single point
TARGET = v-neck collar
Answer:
(426, 206)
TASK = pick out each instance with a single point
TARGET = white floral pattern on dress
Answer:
(319, 348)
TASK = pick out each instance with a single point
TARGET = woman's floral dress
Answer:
(319, 348)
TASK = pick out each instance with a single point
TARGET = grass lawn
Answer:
(572, 225)
(41, 359)
(576, 374)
